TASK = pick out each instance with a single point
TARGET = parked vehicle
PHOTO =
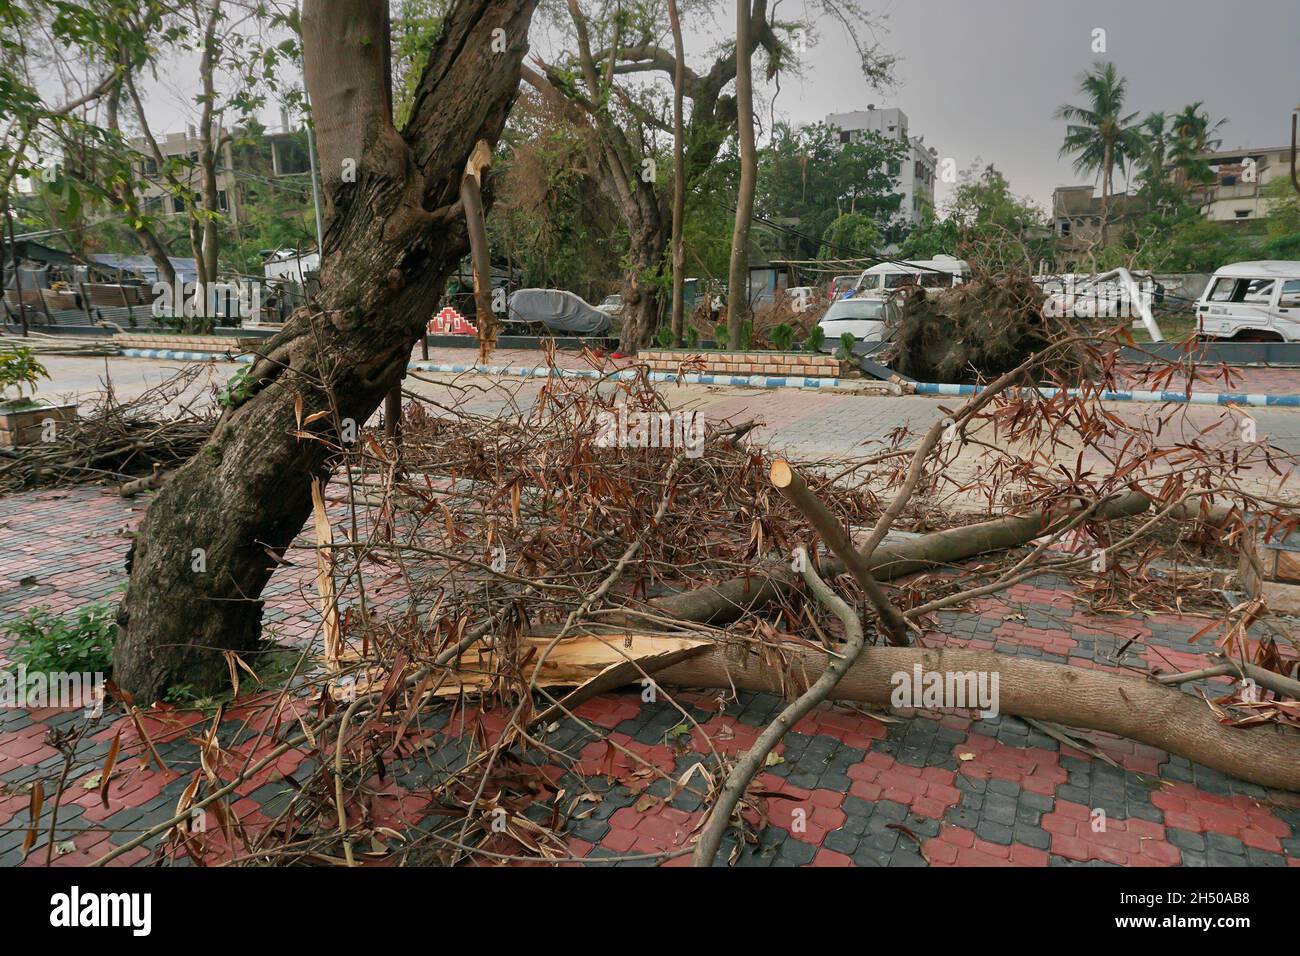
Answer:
(612, 305)
(941, 272)
(841, 285)
(538, 311)
(1252, 301)
(864, 316)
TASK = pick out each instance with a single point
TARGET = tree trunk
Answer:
(1105, 195)
(679, 178)
(1132, 707)
(212, 537)
(641, 300)
(738, 277)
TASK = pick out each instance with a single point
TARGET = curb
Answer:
(1139, 395)
(627, 374)
(769, 381)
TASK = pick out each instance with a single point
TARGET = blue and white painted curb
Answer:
(1136, 395)
(765, 381)
(627, 374)
(183, 356)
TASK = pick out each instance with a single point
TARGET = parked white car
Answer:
(864, 316)
(1255, 301)
(941, 272)
(612, 305)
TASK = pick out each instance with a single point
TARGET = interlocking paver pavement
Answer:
(850, 790)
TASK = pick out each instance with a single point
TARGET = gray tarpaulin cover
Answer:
(559, 310)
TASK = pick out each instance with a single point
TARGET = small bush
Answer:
(45, 642)
(816, 338)
(18, 368)
(783, 336)
(692, 337)
(720, 335)
(664, 337)
(845, 352)
(746, 334)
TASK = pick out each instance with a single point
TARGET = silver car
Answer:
(866, 318)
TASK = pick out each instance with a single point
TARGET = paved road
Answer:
(797, 422)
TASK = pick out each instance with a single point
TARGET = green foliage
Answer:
(806, 172)
(782, 336)
(45, 642)
(815, 340)
(845, 352)
(18, 368)
(933, 237)
(664, 336)
(746, 334)
(237, 390)
(850, 236)
(692, 337)
(720, 335)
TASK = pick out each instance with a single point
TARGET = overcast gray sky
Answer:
(981, 78)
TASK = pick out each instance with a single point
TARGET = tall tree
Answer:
(738, 275)
(216, 531)
(1100, 135)
(624, 120)
(1193, 135)
(679, 175)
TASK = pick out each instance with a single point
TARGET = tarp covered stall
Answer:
(559, 311)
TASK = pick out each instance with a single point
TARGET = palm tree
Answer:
(1193, 135)
(1156, 134)
(1100, 134)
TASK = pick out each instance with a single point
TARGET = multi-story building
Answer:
(915, 174)
(1076, 220)
(157, 198)
(269, 153)
(1236, 193)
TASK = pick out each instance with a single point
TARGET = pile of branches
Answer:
(116, 440)
(482, 553)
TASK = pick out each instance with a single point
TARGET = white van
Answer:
(1252, 301)
(941, 272)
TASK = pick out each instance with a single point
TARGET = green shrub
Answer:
(845, 352)
(665, 337)
(18, 367)
(783, 336)
(720, 335)
(45, 642)
(692, 337)
(746, 334)
(816, 338)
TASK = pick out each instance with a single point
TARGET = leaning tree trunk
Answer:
(212, 538)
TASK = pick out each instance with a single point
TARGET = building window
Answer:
(844, 136)
(1065, 227)
(895, 169)
(222, 202)
(178, 204)
(1243, 213)
(152, 205)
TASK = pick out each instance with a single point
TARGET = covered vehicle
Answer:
(555, 310)
(866, 317)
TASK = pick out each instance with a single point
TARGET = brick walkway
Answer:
(850, 790)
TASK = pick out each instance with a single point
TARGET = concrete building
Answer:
(1236, 195)
(156, 199)
(915, 174)
(1076, 221)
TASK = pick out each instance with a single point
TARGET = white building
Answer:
(915, 174)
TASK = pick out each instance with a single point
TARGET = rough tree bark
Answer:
(679, 176)
(215, 533)
(738, 276)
